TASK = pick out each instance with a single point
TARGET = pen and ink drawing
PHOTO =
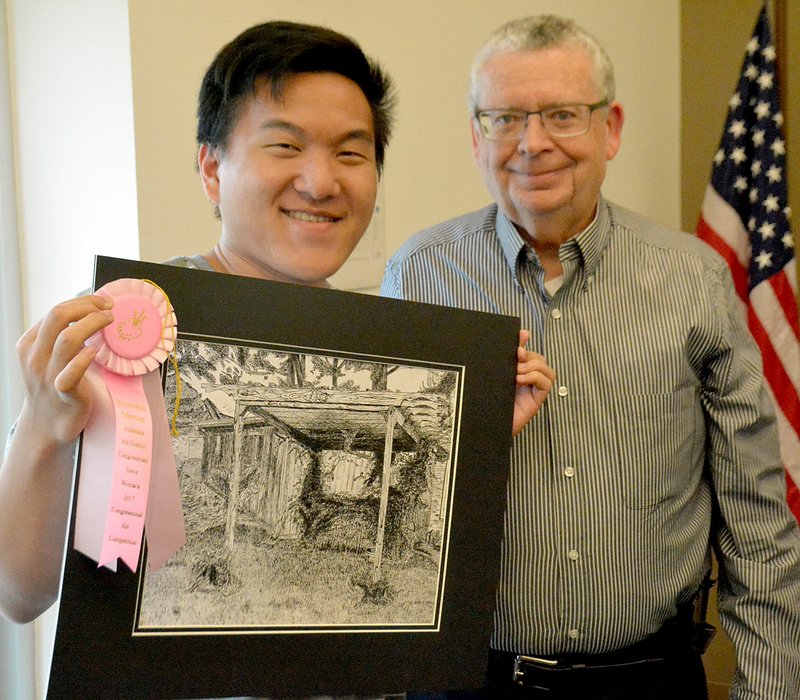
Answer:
(309, 598)
(316, 492)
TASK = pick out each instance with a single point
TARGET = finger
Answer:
(68, 381)
(49, 346)
(68, 313)
(537, 380)
(71, 340)
(27, 339)
(526, 356)
(527, 402)
(524, 336)
(535, 364)
(544, 375)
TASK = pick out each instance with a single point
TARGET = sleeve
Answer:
(391, 286)
(756, 536)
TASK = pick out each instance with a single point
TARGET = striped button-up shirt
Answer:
(656, 443)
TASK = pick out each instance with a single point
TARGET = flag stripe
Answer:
(723, 220)
(793, 494)
(784, 289)
(774, 317)
(719, 244)
(777, 376)
(745, 218)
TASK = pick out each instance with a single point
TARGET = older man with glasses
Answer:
(658, 443)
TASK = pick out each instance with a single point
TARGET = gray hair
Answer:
(541, 32)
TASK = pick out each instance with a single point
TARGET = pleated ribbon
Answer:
(128, 488)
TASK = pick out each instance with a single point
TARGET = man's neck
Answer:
(546, 233)
(547, 251)
(223, 260)
(220, 262)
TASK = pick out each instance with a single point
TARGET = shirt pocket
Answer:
(659, 444)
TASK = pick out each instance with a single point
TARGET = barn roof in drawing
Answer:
(329, 419)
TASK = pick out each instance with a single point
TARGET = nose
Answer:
(318, 178)
(535, 137)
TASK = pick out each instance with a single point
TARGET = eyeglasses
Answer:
(562, 122)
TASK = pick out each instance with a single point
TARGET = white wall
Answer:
(72, 112)
(427, 45)
(74, 140)
(84, 79)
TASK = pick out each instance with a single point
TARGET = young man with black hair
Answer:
(293, 123)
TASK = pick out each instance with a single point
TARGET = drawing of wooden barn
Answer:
(302, 462)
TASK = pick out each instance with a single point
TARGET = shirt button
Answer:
(556, 313)
(573, 554)
(563, 391)
(569, 471)
(573, 633)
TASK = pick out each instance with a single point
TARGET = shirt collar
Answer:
(511, 242)
(589, 244)
(594, 239)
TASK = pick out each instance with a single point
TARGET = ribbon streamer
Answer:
(128, 486)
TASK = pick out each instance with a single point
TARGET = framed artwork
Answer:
(342, 462)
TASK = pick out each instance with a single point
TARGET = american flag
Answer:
(745, 217)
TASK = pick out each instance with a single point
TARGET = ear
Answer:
(208, 161)
(476, 138)
(614, 121)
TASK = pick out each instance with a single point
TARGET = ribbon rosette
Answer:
(143, 332)
(128, 480)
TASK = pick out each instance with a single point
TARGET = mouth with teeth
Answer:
(311, 218)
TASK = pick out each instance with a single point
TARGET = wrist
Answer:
(39, 438)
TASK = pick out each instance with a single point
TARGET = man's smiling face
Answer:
(296, 181)
(540, 177)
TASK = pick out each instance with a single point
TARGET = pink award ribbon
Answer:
(128, 486)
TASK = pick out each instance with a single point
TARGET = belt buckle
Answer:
(521, 660)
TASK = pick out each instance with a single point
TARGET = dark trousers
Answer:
(660, 671)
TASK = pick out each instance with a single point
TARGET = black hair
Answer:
(276, 51)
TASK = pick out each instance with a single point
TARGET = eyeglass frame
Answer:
(527, 115)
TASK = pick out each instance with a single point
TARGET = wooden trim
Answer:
(779, 12)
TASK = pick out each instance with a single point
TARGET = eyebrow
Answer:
(354, 135)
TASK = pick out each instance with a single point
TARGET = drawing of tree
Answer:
(333, 367)
(293, 371)
(439, 382)
(190, 360)
(246, 360)
(212, 362)
(230, 375)
(378, 372)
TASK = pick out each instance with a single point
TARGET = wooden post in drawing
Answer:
(236, 472)
(385, 476)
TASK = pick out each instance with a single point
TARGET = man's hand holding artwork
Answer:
(534, 380)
